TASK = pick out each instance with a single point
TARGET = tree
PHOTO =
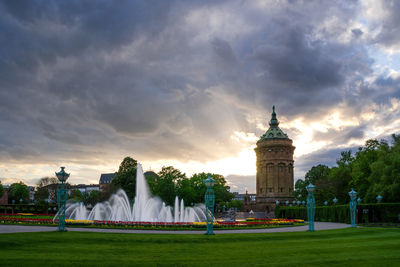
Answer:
(373, 170)
(41, 193)
(76, 195)
(235, 204)
(166, 185)
(221, 189)
(43, 186)
(300, 191)
(18, 191)
(193, 191)
(93, 197)
(151, 178)
(384, 178)
(362, 166)
(47, 181)
(318, 176)
(2, 191)
(186, 190)
(126, 177)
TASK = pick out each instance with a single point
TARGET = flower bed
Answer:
(249, 223)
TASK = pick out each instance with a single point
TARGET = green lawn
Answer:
(348, 247)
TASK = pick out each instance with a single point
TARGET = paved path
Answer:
(317, 226)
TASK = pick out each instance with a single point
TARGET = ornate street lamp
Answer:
(310, 206)
(335, 200)
(209, 201)
(379, 198)
(20, 200)
(325, 203)
(359, 200)
(353, 207)
(61, 198)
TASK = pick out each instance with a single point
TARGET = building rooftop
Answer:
(105, 178)
(274, 132)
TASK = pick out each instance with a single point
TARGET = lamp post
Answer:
(310, 206)
(359, 200)
(379, 198)
(61, 198)
(335, 200)
(353, 207)
(209, 201)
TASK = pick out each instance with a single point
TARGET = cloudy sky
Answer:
(191, 83)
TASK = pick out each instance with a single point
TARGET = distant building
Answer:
(4, 198)
(249, 200)
(85, 189)
(241, 197)
(237, 196)
(105, 181)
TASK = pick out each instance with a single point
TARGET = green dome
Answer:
(274, 132)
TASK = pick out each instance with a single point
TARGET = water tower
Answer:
(274, 179)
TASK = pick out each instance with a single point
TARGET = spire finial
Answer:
(274, 121)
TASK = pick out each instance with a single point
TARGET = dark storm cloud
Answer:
(173, 79)
(386, 88)
(294, 62)
(390, 25)
(226, 58)
(310, 72)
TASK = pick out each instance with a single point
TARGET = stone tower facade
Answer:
(274, 178)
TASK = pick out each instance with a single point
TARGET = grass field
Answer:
(347, 247)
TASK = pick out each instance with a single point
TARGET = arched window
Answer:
(270, 168)
(290, 168)
(281, 167)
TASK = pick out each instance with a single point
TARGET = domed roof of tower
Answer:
(274, 132)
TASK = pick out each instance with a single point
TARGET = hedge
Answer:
(366, 213)
(37, 208)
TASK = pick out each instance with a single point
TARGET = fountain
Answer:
(146, 208)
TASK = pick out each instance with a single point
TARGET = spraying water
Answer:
(145, 208)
